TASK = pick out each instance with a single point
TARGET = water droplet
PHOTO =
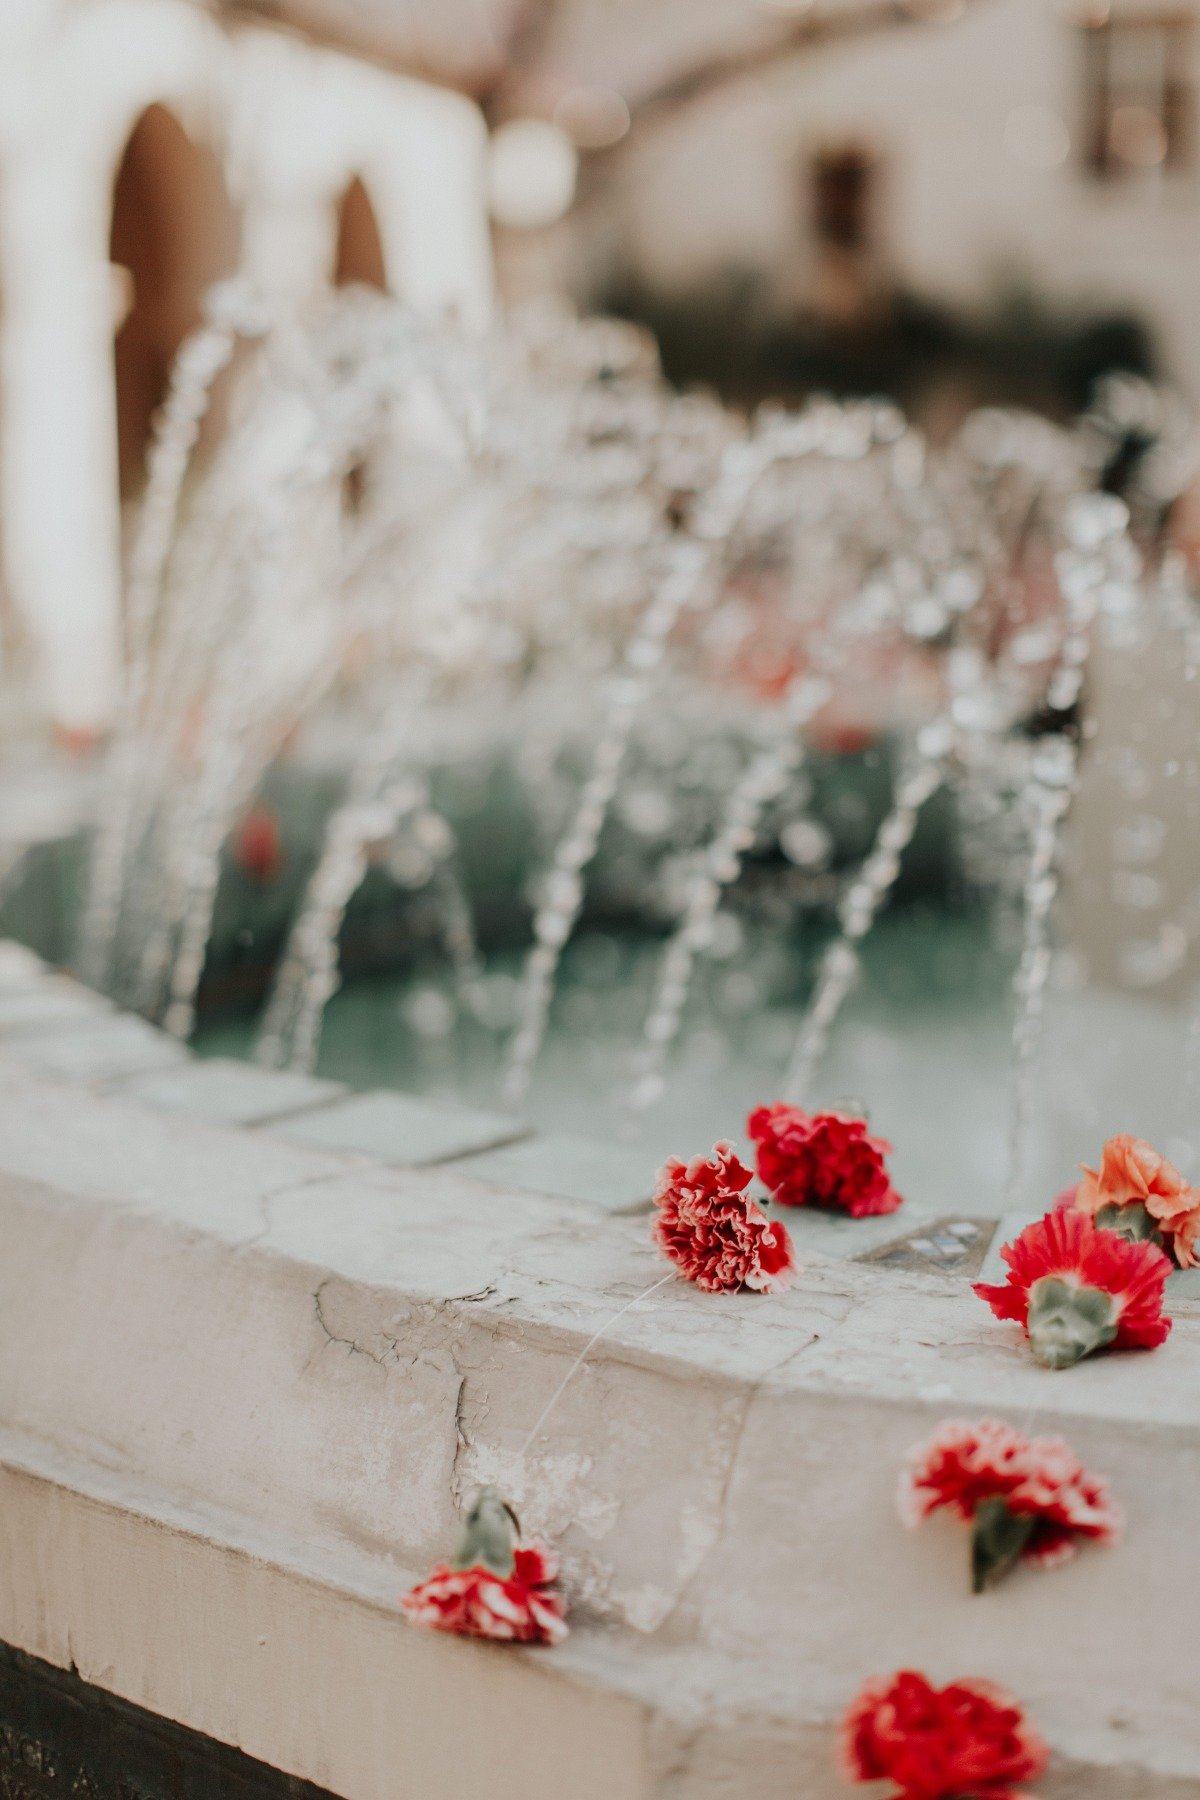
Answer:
(1146, 962)
(1142, 892)
(429, 1013)
(1053, 763)
(936, 739)
(728, 938)
(1094, 518)
(806, 843)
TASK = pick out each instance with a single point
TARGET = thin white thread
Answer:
(561, 1389)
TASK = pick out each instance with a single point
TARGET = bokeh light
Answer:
(532, 174)
(1037, 137)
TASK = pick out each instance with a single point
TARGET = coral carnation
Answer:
(1076, 1289)
(822, 1159)
(1139, 1193)
(713, 1231)
(1027, 1499)
(496, 1587)
(967, 1741)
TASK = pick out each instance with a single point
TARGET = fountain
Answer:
(569, 764)
(520, 553)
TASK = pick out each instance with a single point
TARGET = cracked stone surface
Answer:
(400, 1129)
(243, 1382)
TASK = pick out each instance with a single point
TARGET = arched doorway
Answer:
(173, 233)
(358, 256)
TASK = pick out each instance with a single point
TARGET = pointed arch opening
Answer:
(358, 260)
(358, 254)
(173, 233)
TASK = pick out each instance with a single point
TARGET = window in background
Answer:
(1139, 94)
(843, 181)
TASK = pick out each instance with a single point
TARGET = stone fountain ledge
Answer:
(245, 1380)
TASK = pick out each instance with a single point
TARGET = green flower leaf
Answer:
(998, 1537)
(1067, 1322)
(489, 1535)
(1132, 1221)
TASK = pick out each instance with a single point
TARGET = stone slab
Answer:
(20, 968)
(1183, 1287)
(818, 1232)
(321, 1361)
(1009, 1226)
(96, 1050)
(54, 1000)
(324, 1389)
(228, 1092)
(299, 1659)
(612, 1177)
(101, 1148)
(297, 1656)
(400, 1129)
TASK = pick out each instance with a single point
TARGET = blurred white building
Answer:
(1055, 144)
(146, 148)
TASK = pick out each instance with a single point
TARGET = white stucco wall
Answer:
(725, 184)
(292, 124)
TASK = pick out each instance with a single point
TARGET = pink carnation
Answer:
(1040, 1482)
(713, 1231)
(476, 1602)
(496, 1586)
(822, 1159)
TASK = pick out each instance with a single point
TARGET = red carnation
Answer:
(496, 1587)
(1076, 1289)
(822, 1159)
(1027, 1499)
(713, 1231)
(258, 845)
(967, 1741)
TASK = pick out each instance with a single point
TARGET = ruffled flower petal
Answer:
(1116, 1286)
(965, 1466)
(822, 1159)
(969, 1738)
(477, 1603)
(497, 1587)
(1134, 1179)
(713, 1231)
